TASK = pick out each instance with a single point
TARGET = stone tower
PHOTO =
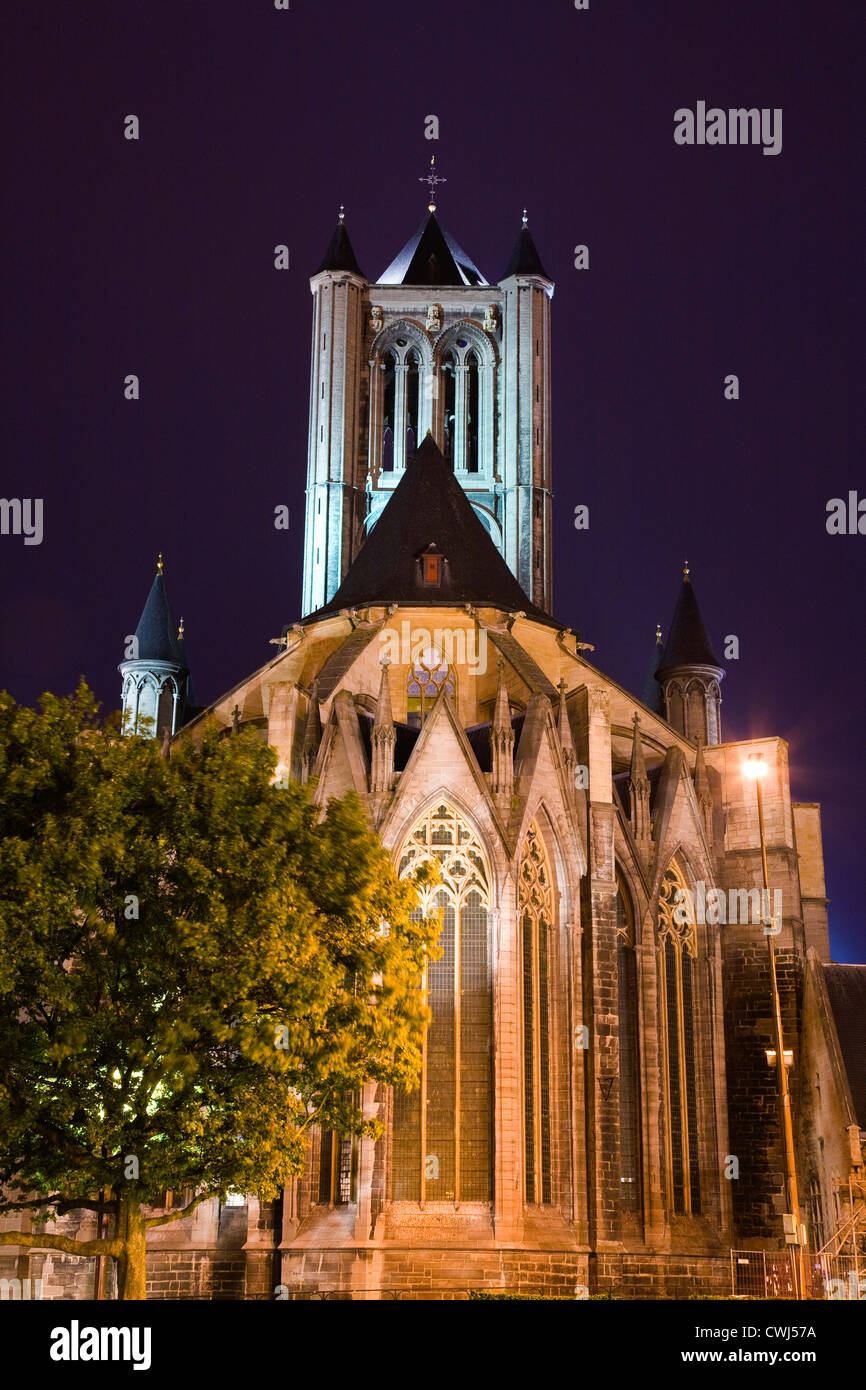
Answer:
(430, 346)
(155, 676)
(689, 673)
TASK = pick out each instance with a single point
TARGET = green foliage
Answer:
(193, 965)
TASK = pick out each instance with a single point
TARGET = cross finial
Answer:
(563, 686)
(342, 213)
(525, 218)
(431, 180)
(159, 563)
(686, 570)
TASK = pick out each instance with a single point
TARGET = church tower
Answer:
(155, 675)
(429, 347)
(689, 673)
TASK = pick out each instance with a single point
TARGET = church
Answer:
(598, 1111)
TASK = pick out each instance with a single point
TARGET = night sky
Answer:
(156, 257)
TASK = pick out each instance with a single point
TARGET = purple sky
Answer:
(156, 257)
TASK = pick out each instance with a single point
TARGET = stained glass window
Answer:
(443, 1133)
(535, 906)
(677, 937)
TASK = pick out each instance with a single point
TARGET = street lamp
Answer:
(755, 768)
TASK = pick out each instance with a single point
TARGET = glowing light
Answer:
(754, 766)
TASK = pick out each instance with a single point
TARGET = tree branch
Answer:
(57, 1199)
(65, 1243)
(182, 1212)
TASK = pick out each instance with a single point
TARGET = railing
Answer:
(773, 1274)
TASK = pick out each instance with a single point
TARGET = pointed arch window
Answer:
(443, 1134)
(429, 673)
(676, 707)
(473, 399)
(166, 708)
(466, 381)
(535, 906)
(696, 715)
(631, 1175)
(677, 953)
(389, 405)
(400, 412)
(449, 393)
(413, 400)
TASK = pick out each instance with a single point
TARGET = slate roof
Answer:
(431, 256)
(846, 988)
(191, 704)
(404, 743)
(339, 255)
(429, 506)
(525, 259)
(338, 663)
(688, 641)
(156, 629)
(525, 665)
(651, 694)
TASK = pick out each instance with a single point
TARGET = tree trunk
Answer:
(132, 1261)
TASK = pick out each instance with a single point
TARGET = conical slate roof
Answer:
(432, 257)
(340, 255)
(156, 630)
(525, 259)
(190, 698)
(652, 691)
(429, 508)
(688, 642)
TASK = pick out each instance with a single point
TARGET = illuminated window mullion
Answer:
(536, 1059)
(423, 1117)
(457, 935)
(683, 1080)
(665, 1030)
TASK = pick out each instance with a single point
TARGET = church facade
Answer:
(596, 1111)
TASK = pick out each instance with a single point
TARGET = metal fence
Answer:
(773, 1274)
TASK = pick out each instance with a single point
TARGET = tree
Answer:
(195, 966)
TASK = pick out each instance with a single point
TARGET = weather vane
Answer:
(431, 180)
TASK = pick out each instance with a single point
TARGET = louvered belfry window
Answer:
(535, 906)
(677, 937)
(631, 1176)
(443, 1133)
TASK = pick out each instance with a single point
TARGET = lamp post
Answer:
(755, 768)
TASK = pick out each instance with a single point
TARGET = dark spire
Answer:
(191, 705)
(155, 631)
(383, 739)
(702, 781)
(502, 744)
(339, 255)
(312, 733)
(652, 691)
(639, 793)
(429, 508)
(432, 257)
(525, 259)
(689, 642)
